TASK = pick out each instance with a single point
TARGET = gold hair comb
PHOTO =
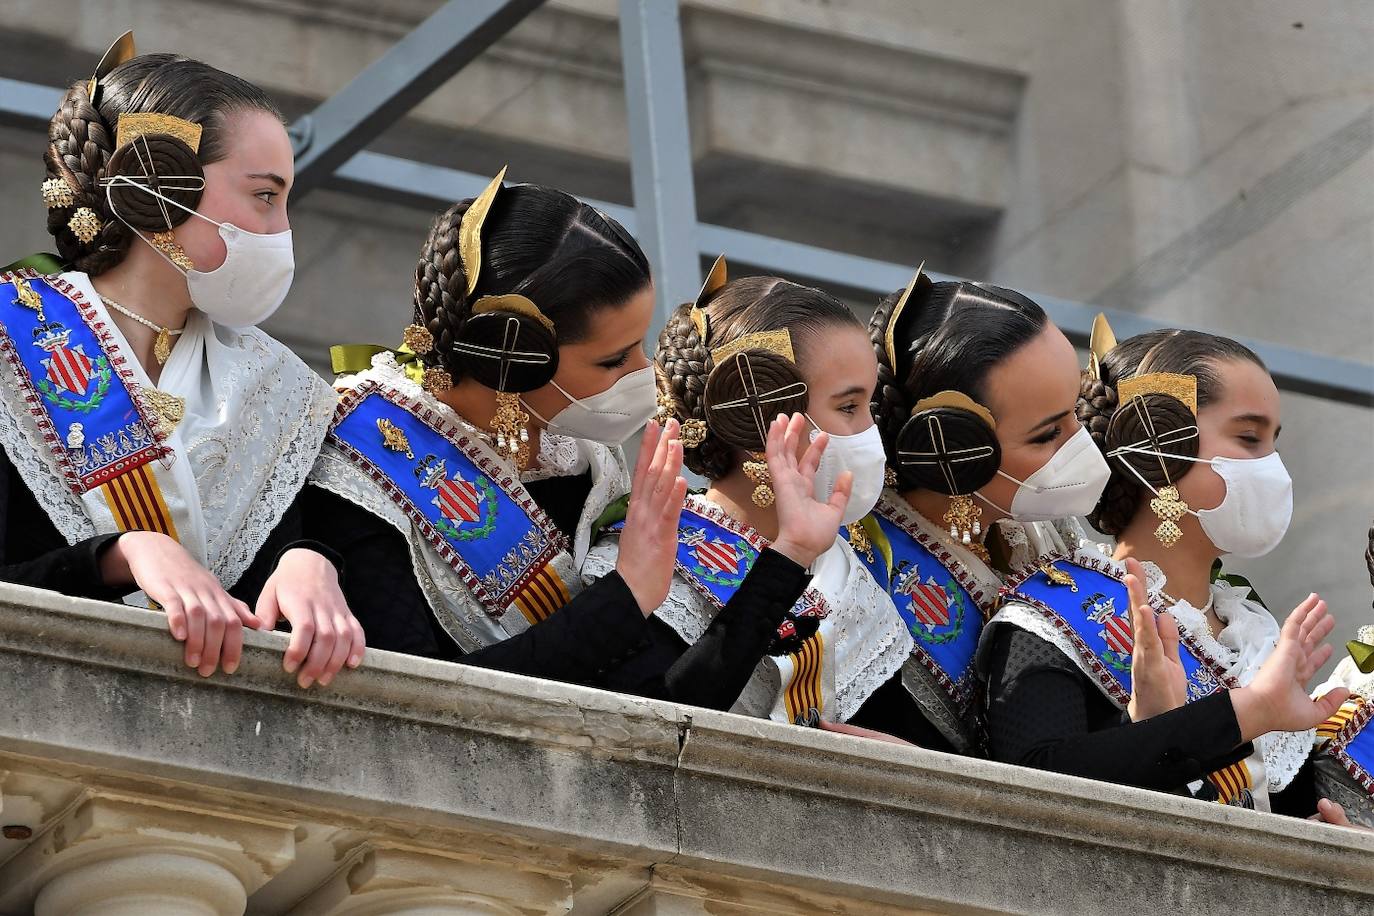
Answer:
(716, 277)
(1180, 387)
(512, 302)
(779, 342)
(130, 127)
(1101, 342)
(470, 229)
(890, 332)
(957, 400)
(119, 52)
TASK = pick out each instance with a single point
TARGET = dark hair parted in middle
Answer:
(567, 257)
(1194, 353)
(947, 338)
(748, 305)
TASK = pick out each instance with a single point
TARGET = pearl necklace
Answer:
(162, 347)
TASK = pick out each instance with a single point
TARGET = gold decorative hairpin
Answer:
(470, 229)
(119, 52)
(1101, 342)
(957, 400)
(57, 193)
(779, 342)
(130, 127)
(890, 332)
(512, 302)
(716, 277)
(1180, 387)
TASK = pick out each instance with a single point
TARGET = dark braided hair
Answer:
(81, 138)
(744, 306)
(566, 256)
(1194, 353)
(948, 337)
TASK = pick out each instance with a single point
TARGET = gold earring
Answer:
(964, 518)
(85, 225)
(756, 469)
(511, 425)
(1169, 507)
(166, 243)
(417, 338)
(436, 380)
(57, 193)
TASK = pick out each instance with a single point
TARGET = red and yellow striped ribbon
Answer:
(135, 500)
(803, 691)
(1333, 726)
(542, 595)
(1231, 781)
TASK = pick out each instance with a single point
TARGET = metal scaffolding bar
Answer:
(660, 149)
(400, 180)
(396, 82)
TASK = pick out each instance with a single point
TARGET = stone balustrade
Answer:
(129, 785)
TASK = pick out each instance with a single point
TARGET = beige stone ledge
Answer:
(418, 786)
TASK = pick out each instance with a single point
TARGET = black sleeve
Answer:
(893, 710)
(594, 631)
(714, 670)
(288, 535)
(1299, 797)
(1045, 713)
(382, 592)
(32, 551)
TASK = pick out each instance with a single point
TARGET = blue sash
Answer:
(471, 512)
(940, 610)
(1353, 746)
(79, 394)
(714, 559)
(1093, 609)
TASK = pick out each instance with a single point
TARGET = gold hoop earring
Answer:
(756, 469)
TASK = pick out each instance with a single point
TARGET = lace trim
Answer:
(257, 483)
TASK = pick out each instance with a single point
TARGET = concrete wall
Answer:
(1201, 163)
(130, 785)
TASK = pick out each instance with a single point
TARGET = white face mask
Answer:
(860, 454)
(1254, 514)
(609, 417)
(251, 283)
(1070, 483)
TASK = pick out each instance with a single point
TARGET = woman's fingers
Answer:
(321, 650)
(176, 616)
(232, 650)
(343, 645)
(355, 657)
(1329, 703)
(647, 447)
(844, 487)
(1168, 635)
(1135, 582)
(1292, 627)
(216, 615)
(195, 630)
(1146, 630)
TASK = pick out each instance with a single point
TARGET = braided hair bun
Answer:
(738, 397)
(1157, 417)
(81, 149)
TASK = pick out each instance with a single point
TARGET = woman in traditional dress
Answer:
(1209, 698)
(975, 402)
(155, 442)
(729, 364)
(470, 481)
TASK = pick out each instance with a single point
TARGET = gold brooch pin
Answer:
(1057, 576)
(394, 438)
(28, 297)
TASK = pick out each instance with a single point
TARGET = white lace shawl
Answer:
(1246, 640)
(454, 605)
(254, 420)
(871, 643)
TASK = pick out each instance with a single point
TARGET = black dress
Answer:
(600, 638)
(1044, 712)
(34, 553)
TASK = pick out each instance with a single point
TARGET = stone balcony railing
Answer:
(131, 786)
